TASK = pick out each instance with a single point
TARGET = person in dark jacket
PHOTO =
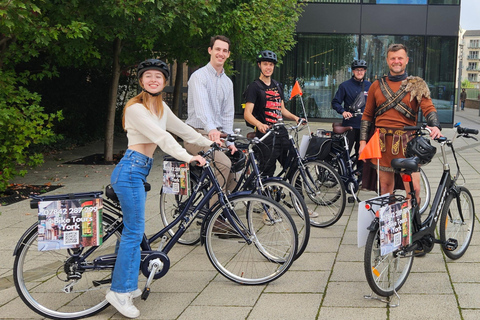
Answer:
(346, 102)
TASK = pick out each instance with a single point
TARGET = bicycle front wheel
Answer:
(323, 190)
(387, 273)
(457, 221)
(291, 200)
(270, 250)
(53, 285)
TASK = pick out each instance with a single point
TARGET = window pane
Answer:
(440, 74)
(334, 1)
(321, 63)
(444, 2)
(374, 50)
(396, 1)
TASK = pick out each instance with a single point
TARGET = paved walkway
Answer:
(327, 282)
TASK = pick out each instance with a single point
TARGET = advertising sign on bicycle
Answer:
(72, 223)
(176, 177)
(395, 228)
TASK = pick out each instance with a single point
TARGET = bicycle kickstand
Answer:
(388, 300)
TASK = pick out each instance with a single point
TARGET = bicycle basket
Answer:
(319, 147)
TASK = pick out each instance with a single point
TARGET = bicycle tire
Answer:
(385, 274)
(272, 249)
(291, 200)
(171, 206)
(453, 226)
(329, 199)
(38, 278)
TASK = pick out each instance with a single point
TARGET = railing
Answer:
(475, 57)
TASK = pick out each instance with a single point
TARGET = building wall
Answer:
(331, 35)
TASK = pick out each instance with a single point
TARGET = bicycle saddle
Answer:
(406, 165)
(339, 129)
(110, 193)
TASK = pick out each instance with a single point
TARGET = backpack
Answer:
(257, 82)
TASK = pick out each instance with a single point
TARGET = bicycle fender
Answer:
(27, 233)
(374, 225)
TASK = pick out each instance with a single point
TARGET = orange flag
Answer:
(372, 149)
(296, 90)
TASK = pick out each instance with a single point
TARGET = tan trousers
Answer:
(221, 167)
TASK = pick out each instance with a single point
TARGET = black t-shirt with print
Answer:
(267, 100)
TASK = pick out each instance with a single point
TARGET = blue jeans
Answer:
(127, 180)
(463, 105)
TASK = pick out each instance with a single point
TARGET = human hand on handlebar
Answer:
(263, 127)
(199, 160)
(434, 132)
(347, 115)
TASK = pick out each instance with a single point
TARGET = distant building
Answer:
(470, 55)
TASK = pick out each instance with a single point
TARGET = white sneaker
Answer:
(312, 213)
(137, 293)
(123, 303)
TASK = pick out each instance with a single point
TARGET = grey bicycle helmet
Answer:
(153, 64)
(267, 55)
(421, 148)
(359, 64)
(238, 160)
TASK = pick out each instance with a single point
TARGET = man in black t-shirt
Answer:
(264, 107)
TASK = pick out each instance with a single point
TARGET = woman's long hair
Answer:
(154, 104)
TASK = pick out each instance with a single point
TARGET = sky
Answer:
(470, 14)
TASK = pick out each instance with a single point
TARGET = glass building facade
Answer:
(331, 34)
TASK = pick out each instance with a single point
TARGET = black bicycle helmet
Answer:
(359, 64)
(421, 148)
(267, 55)
(238, 160)
(153, 64)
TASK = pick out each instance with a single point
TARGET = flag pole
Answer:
(305, 113)
(378, 177)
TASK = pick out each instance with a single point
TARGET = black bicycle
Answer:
(343, 161)
(72, 283)
(249, 180)
(452, 207)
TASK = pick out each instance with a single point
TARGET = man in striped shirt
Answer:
(211, 107)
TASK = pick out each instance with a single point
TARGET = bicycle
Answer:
(318, 182)
(72, 283)
(341, 159)
(453, 204)
(250, 181)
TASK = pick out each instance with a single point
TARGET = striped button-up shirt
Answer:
(210, 100)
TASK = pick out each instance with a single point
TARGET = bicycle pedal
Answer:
(451, 244)
(145, 293)
(351, 199)
(97, 283)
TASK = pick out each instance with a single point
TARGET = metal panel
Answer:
(394, 19)
(330, 18)
(443, 20)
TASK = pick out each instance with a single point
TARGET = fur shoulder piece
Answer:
(417, 87)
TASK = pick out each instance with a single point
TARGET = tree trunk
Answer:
(112, 104)
(177, 91)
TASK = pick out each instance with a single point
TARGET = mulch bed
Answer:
(18, 192)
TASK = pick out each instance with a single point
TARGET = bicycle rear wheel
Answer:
(291, 200)
(425, 192)
(323, 191)
(41, 277)
(457, 221)
(273, 244)
(387, 273)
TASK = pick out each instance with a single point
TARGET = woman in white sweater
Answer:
(146, 119)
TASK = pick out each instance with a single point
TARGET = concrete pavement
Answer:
(326, 282)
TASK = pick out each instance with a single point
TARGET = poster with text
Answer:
(67, 224)
(176, 178)
(395, 227)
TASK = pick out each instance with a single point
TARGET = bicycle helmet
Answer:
(153, 64)
(267, 55)
(359, 64)
(421, 148)
(238, 160)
